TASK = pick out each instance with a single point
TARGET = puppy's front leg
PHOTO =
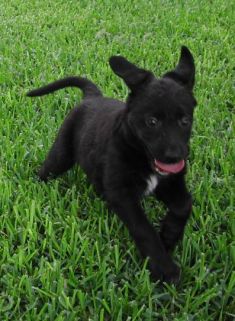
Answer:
(174, 194)
(146, 238)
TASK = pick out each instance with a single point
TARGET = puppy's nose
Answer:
(173, 154)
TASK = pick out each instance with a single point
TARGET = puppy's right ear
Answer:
(133, 76)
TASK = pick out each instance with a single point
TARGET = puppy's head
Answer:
(160, 111)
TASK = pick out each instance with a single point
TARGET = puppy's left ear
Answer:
(185, 70)
(133, 76)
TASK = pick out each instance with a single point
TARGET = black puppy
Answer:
(131, 149)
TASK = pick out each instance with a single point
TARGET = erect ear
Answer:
(185, 70)
(131, 74)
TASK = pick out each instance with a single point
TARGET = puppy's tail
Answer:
(88, 87)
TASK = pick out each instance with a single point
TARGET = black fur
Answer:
(117, 144)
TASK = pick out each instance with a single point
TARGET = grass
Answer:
(62, 256)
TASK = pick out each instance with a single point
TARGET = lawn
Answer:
(62, 255)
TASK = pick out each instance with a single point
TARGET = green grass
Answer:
(62, 257)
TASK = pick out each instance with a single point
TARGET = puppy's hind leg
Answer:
(61, 155)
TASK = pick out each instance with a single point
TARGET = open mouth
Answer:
(165, 169)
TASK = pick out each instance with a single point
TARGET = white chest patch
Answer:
(152, 182)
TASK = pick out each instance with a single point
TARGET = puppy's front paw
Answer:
(42, 175)
(169, 273)
(173, 275)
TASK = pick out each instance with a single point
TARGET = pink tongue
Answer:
(170, 168)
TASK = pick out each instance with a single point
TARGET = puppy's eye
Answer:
(152, 122)
(185, 121)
